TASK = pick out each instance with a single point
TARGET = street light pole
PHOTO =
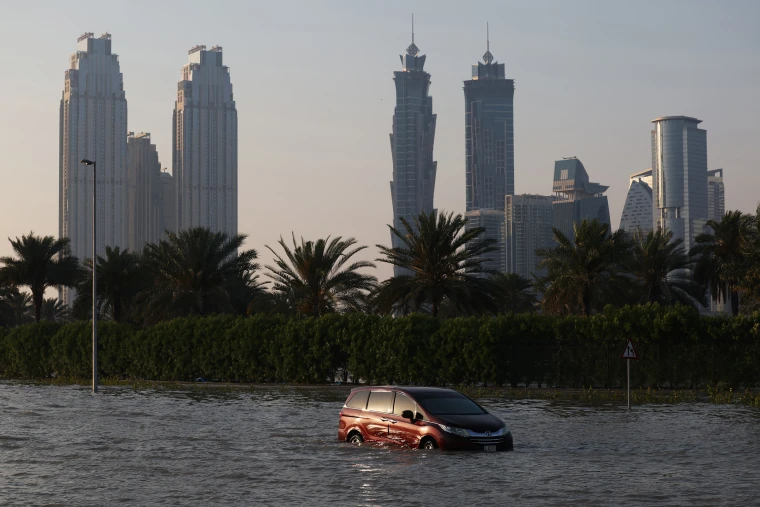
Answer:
(94, 276)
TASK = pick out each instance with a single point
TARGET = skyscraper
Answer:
(414, 170)
(716, 199)
(145, 201)
(528, 227)
(679, 174)
(637, 210)
(169, 204)
(93, 125)
(204, 162)
(489, 135)
(493, 222)
(577, 198)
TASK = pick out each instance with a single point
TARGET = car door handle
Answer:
(392, 421)
(384, 419)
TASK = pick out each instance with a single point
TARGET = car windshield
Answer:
(450, 404)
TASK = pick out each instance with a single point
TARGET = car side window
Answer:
(358, 400)
(403, 403)
(380, 401)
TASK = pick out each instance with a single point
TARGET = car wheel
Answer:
(355, 438)
(428, 444)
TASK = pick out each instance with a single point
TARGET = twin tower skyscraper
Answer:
(489, 146)
(136, 202)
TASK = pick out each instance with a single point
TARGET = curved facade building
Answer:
(679, 176)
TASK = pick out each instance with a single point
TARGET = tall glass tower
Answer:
(93, 125)
(489, 135)
(679, 176)
(204, 162)
(412, 140)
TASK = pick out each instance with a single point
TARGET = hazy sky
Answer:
(315, 95)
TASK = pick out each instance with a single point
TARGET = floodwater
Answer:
(64, 446)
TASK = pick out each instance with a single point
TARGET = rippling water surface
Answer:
(64, 446)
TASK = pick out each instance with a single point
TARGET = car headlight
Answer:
(455, 431)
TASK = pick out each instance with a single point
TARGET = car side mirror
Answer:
(408, 414)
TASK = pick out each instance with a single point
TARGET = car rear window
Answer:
(358, 400)
(380, 401)
(450, 404)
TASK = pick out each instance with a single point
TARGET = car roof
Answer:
(408, 389)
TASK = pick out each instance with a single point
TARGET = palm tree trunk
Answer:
(586, 303)
(117, 309)
(37, 298)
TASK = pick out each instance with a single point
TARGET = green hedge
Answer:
(678, 348)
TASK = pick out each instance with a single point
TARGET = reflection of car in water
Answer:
(423, 417)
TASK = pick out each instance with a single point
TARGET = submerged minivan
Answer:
(420, 417)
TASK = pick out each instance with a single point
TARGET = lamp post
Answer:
(94, 278)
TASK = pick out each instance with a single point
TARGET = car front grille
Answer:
(488, 440)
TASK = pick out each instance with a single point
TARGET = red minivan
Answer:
(420, 417)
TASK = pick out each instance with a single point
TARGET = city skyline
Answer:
(302, 159)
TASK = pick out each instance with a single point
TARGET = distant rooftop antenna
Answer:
(412, 50)
(488, 57)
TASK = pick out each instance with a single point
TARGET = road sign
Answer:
(630, 351)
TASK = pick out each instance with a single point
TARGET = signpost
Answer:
(628, 354)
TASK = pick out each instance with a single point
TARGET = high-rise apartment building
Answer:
(493, 222)
(205, 157)
(145, 201)
(93, 126)
(414, 169)
(576, 198)
(679, 176)
(716, 198)
(169, 204)
(637, 210)
(528, 227)
(489, 135)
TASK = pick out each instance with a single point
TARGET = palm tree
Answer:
(585, 273)
(317, 277)
(749, 285)
(513, 293)
(42, 262)
(8, 310)
(21, 307)
(441, 261)
(119, 281)
(721, 256)
(194, 273)
(54, 310)
(661, 268)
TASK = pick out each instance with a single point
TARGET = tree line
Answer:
(198, 272)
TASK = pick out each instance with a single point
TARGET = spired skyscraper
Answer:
(205, 157)
(93, 125)
(414, 169)
(679, 177)
(490, 151)
(489, 135)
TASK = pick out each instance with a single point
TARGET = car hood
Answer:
(478, 423)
